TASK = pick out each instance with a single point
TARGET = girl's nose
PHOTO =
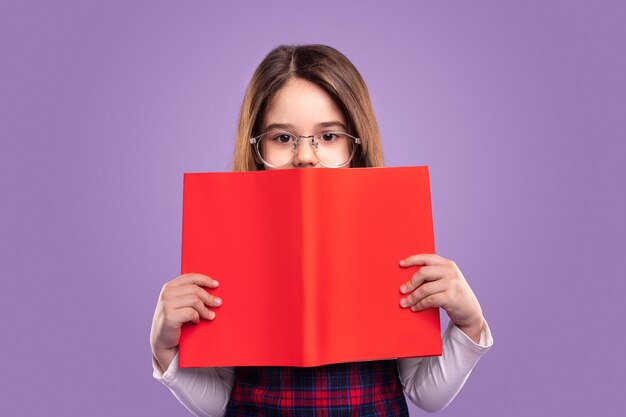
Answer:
(305, 154)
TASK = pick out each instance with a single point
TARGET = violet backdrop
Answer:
(518, 108)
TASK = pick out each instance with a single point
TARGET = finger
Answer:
(200, 292)
(198, 279)
(434, 300)
(423, 259)
(192, 301)
(188, 314)
(423, 274)
(422, 292)
(177, 317)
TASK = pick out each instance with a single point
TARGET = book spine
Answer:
(182, 246)
(430, 206)
(309, 274)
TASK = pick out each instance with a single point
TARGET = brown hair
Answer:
(325, 67)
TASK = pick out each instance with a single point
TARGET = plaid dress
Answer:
(369, 388)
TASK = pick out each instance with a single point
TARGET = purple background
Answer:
(518, 109)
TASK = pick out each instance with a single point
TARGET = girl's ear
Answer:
(259, 164)
(257, 159)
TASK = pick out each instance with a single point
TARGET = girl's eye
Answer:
(329, 137)
(283, 138)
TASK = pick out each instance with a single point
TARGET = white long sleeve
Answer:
(431, 383)
(203, 391)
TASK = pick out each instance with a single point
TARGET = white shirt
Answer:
(431, 383)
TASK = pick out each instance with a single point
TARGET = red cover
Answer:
(308, 265)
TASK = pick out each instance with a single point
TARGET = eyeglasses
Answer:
(279, 148)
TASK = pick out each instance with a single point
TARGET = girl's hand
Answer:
(440, 283)
(181, 300)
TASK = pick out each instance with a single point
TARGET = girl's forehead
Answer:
(302, 104)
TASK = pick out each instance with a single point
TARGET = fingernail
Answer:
(216, 282)
(211, 315)
(403, 289)
(402, 262)
(218, 300)
(403, 302)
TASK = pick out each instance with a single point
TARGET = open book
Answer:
(308, 265)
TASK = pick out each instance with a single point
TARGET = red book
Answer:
(308, 265)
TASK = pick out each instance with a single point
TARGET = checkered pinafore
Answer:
(369, 388)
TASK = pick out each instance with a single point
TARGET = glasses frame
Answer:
(315, 139)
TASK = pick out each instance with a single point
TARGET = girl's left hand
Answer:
(440, 283)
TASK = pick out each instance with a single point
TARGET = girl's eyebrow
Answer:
(287, 126)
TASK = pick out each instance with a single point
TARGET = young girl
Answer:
(308, 107)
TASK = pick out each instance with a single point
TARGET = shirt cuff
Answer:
(170, 372)
(486, 339)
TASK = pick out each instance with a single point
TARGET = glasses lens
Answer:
(277, 148)
(334, 149)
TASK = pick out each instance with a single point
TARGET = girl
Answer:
(308, 107)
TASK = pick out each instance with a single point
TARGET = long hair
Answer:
(325, 67)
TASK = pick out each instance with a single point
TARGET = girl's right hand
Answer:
(181, 300)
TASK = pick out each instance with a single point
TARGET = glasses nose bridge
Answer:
(312, 141)
(305, 157)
